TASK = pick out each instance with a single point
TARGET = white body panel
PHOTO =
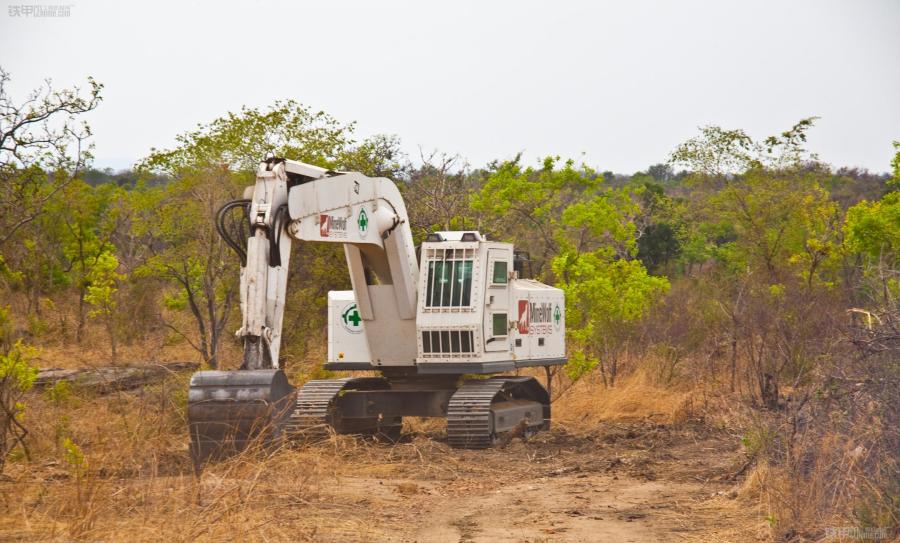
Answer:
(540, 320)
(346, 329)
(368, 216)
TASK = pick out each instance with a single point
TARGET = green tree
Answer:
(239, 141)
(185, 250)
(607, 288)
(872, 230)
(212, 165)
(103, 281)
(17, 376)
(526, 204)
(775, 234)
(662, 227)
(585, 235)
(84, 221)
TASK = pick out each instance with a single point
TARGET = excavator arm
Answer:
(292, 200)
(296, 201)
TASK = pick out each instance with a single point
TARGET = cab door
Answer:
(496, 301)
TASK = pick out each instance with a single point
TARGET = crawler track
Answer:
(469, 424)
(315, 413)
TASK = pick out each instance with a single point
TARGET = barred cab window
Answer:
(447, 341)
(449, 283)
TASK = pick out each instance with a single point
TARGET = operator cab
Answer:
(476, 313)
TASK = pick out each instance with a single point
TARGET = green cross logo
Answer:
(351, 320)
(557, 316)
(363, 222)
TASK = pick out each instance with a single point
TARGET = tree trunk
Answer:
(111, 330)
(733, 362)
(79, 329)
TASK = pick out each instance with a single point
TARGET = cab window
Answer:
(500, 273)
(499, 324)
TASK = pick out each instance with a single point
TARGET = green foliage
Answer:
(60, 394)
(579, 365)
(17, 375)
(534, 195)
(240, 140)
(185, 250)
(74, 456)
(718, 153)
(895, 166)
(604, 297)
(525, 205)
(103, 280)
(873, 228)
(769, 201)
(585, 235)
(176, 301)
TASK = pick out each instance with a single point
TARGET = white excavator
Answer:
(434, 323)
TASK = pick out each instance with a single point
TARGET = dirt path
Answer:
(587, 509)
(630, 483)
(616, 482)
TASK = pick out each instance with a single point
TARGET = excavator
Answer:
(435, 323)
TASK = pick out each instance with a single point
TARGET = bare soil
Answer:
(628, 482)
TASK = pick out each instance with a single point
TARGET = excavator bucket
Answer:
(230, 410)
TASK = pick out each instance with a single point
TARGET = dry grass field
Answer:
(635, 463)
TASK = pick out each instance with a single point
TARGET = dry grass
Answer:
(144, 341)
(588, 403)
(136, 482)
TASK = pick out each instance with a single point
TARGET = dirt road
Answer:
(611, 482)
(624, 482)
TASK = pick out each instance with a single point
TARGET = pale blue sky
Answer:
(621, 82)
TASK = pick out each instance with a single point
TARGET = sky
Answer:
(616, 85)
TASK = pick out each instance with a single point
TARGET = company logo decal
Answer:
(538, 318)
(523, 316)
(363, 222)
(350, 319)
(331, 226)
